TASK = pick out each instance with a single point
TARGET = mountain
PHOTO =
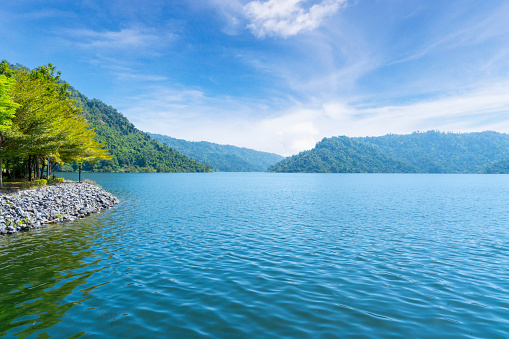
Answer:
(132, 149)
(428, 152)
(224, 158)
(342, 155)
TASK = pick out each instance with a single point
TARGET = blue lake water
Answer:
(241, 255)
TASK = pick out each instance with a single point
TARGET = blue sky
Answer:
(275, 75)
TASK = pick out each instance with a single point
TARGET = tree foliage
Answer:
(7, 104)
(47, 127)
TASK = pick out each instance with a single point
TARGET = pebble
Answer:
(29, 209)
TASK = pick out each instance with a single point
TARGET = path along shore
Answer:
(33, 208)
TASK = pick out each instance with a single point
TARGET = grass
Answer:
(13, 185)
(23, 184)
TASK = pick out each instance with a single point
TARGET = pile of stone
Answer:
(68, 201)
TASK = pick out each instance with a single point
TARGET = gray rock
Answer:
(68, 201)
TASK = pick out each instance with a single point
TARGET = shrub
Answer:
(55, 180)
(40, 182)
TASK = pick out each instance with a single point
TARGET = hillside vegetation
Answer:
(428, 152)
(224, 158)
(132, 149)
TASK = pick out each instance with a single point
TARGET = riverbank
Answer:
(33, 208)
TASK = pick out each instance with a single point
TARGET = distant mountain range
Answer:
(224, 158)
(427, 152)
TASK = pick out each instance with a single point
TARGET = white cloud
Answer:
(192, 115)
(124, 39)
(287, 17)
(484, 109)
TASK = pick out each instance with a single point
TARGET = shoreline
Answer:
(34, 208)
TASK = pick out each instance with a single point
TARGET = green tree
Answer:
(48, 126)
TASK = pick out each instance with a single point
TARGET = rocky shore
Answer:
(29, 209)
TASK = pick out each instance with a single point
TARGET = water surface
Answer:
(268, 255)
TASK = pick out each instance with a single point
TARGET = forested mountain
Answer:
(428, 152)
(225, 158)
(342, 155)
(132, 149)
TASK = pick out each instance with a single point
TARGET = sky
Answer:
(275, 75)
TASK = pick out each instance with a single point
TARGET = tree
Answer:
(48, 126)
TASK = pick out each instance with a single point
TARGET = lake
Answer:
(241, 255)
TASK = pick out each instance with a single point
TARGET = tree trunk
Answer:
(36, 167)
(30, 168)
(41, 174)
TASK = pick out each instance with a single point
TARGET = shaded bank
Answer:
(29, 209)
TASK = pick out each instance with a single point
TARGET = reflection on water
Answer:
(43, 273)
(258, 254)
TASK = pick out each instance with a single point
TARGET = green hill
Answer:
(428, 152)
(132, 149)
(342, 155)
(224, 158)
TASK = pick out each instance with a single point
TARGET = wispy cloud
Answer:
(191, 114)
(123, 71)
(451, 33)
(124, 39)
(232, 13)
(286, 18)
(136, 76)
(122, 53)
(37, 13)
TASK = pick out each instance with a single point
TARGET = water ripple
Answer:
(264, 255)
